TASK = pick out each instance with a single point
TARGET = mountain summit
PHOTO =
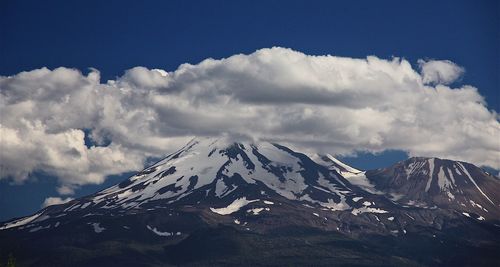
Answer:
(214, 193)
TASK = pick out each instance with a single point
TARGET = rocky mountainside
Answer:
(421, 182)
(215, 202)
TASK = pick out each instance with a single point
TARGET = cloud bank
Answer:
(332, 104)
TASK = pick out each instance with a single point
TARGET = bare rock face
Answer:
(265, 193)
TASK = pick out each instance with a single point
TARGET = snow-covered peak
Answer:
(219, 168)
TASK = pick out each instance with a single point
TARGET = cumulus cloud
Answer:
(330, 104)
(440, 71)
(55, 201)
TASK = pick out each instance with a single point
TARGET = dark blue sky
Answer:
(113, 36)
(116, 35)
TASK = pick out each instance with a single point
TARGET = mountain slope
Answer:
(443, 183)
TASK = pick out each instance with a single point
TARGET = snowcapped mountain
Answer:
(266, 188)
(209, 170)
(442, 183)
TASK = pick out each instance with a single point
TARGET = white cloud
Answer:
(328, 103)
(440, 71)
(55, 201)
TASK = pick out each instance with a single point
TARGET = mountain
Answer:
(215, 202)
(442, 183)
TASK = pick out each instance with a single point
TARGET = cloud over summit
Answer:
(333, 104)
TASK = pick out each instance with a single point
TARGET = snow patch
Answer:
(124, 194)
(431, 173)
(20, 222)
(220, 188)
(474, 204)
(362, 181)
(413, 168)
(159, 233)
(396, 197)
(474, 182)
(367, 209)
(255, 211)
(342, 205)
(85, 205)
(233, 207)
(97, 227)
(349, 171)
(38, 228)
(356, 199)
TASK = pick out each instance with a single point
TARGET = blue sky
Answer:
(113, 36)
